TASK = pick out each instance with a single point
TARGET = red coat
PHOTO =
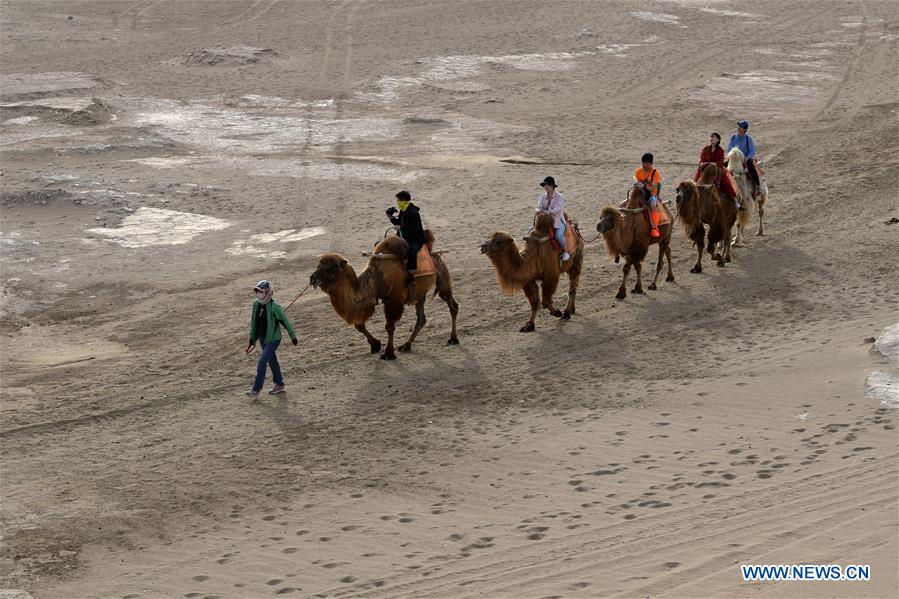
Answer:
(715, 156)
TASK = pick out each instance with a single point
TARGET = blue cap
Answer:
(743, 124)
(262, 285)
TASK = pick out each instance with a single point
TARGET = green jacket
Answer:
(274, 315)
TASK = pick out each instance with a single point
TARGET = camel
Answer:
(628, 236)
(699, 204)
(384, 279)
(736, 164)
(537, 261)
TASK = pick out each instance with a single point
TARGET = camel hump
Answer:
(543, 223)
(392, 245)
(429, 237)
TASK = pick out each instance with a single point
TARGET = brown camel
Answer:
(699, 204)
(628, 235)
(537, 261)
(384, 279)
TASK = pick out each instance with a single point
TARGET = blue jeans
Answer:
(268, 357)
(560, 237)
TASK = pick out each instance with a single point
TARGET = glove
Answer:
(294, 341)
(391, 211)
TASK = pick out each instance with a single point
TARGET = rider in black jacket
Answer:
(409, 222)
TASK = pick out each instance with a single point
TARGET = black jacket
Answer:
(410, 225)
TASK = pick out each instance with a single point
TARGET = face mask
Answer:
(402, 205)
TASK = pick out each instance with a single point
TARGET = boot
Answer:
(410, 280)
(654, 220)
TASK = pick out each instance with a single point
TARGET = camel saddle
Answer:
(572, 234)
(425, 263)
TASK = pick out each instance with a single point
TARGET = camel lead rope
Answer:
(296, 298)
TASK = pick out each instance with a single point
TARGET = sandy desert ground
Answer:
(159, 157)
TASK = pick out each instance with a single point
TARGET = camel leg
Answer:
(533, 294)
(445, 289)
(662, 246)
(742, 219)
(392, 313)
(761, 203)
(698, 237)
(670, 276)
(550, 284)
(420, 321)
(712, 246)
(638, 288)
(574, 278)
(622, 291)
(725, 245)
(372, 342)
(454, 311)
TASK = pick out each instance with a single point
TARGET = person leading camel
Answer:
(265, 325)
(409, 224)
(552, 202)
(741, 139)
(649, 180)
(714, 154)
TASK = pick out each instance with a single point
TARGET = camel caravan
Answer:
(713, 209)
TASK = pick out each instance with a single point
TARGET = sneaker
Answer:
(653, 232)
(566, 256)
(253, 394)
(276, 390)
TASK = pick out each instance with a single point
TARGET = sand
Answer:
(159, 158)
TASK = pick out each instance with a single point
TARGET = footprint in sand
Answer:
(274, 581)
(289, 550)
(199, 578)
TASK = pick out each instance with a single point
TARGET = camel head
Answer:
(608, 219)
(331, 267)
(684, 193)
(497, 244)
(736, 161)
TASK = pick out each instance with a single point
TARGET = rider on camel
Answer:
(714, 154)
(409, 225)
(744, 141)
(553, 203)
(649, 180)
